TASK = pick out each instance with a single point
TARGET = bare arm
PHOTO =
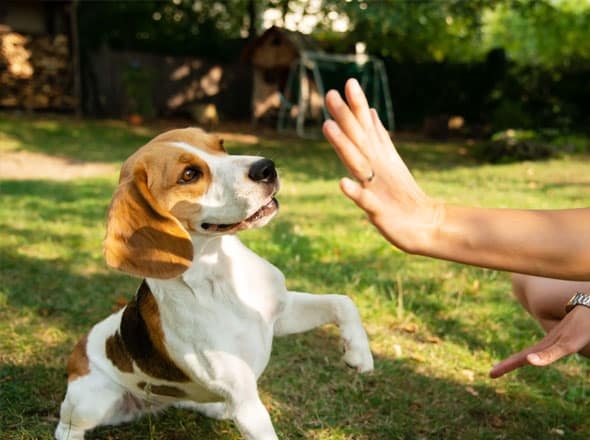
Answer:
(553, 244)
(546, 243)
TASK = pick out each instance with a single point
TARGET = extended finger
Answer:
(382, 134)
(364, 199)
(385, 144)
(347, 121)
(507, 365)
(348, 152)
(360, 107)
(517, 360)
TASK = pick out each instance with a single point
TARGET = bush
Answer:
(510, 113)
(516, 145)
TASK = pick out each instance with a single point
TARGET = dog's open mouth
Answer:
(265, 210)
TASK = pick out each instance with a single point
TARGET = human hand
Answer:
(571, 335)
(386, 190)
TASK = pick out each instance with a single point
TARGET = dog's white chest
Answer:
(229, 300)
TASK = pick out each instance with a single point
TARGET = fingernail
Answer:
(348, 186)
(356, 87)
(534, 358)
(331, 126)
(332, 97)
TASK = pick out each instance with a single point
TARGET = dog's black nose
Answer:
(263, 170)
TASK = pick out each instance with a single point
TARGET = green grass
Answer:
(436, 328)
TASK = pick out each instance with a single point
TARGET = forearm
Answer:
(547, 243)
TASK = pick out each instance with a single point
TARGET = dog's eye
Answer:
(189, 175)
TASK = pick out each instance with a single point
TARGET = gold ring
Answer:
(370, 177)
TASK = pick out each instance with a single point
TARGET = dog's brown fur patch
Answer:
(116, 352)
(78, 364)
(163, 390)
(143, 337)
(194, 137)
(151, 211)
(142, 237)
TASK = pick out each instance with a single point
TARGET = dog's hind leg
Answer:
(90, 401)
(214, 410)
(305, 311)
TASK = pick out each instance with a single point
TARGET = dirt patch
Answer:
(21, 165)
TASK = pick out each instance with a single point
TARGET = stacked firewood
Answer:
(36, 72)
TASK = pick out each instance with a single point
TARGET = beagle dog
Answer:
(198, 332)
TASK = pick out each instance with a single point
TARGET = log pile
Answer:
(36, 72)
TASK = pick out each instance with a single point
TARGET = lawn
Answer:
(436, 328)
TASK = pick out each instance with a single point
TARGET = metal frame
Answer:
(309, 61)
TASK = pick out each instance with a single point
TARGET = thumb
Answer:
(549, 355)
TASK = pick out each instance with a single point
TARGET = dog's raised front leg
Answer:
(305, 311)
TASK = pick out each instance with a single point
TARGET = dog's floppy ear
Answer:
(142, 238)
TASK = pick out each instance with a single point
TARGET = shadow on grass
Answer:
(308, 390)
(55, 287)
(80, 201)
(427, 297)
(311, 394)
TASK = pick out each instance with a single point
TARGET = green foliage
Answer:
(435, 327)
(416, 30)
(554, 34)
(173, 27)
(538, 32)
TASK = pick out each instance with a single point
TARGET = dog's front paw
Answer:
(67, 432)
(359, 358)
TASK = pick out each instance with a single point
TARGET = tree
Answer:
(553, 34)
(176, 27)
(538, 32)
(416, 30)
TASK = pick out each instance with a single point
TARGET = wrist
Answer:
(455, 234)
(427, 236)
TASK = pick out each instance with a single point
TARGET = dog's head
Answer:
(180, 184)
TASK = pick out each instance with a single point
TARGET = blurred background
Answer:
(454, 67)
